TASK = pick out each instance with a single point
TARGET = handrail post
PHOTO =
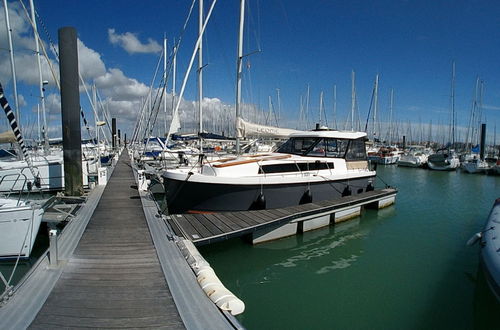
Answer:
(53, 252)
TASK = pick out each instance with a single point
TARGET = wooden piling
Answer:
(70, 111)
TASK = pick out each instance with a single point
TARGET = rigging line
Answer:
(324, 112)
(160, 91)
(44, 28)
(173, 55)
(16, 130)
(104, 112)
(369, 110)
(186, 76)
(178, 43)
(156, 107)
(151, 88)
(54, 75)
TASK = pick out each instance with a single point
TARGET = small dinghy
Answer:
(490, 249)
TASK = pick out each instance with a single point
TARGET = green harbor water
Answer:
(403, 267)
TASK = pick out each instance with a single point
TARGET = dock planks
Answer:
(114, 278)
(212, 227)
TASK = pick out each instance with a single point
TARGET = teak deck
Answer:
(208, 228)
(114, 278)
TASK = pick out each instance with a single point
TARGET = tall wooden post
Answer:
(482, 145)
(70, 112)
(113, 132)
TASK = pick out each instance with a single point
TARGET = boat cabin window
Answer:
(296, 167)
(325, 147)
(356, 150)
(297, 146)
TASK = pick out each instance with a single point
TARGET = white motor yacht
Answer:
(310, 166)
(443, 160)
(416, 156)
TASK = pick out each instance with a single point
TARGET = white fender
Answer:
(208, 280)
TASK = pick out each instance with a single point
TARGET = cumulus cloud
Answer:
(53, 103)
(131, 43)
(123, 96)
(22, 101)
(90, 63)
(116, 85)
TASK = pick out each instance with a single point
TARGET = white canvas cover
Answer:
(245, 129)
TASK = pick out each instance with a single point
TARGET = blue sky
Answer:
(411, 44)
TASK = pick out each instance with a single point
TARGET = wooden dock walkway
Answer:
(209, 228)
(114, 278)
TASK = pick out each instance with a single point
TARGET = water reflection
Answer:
(403, 267)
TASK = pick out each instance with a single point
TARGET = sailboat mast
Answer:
(270, 115)
(307, 105)
(390, 116)
(238, 72)
(453, 105)
(200, 74)
(174, 69)
(41, 89)
(375, 108)
(320, 108)
(334, 107)
(165, 82)
(353, 98)
(279, 106)
(94, 101)
(12, 63)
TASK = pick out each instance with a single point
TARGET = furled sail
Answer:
(7, 137)
(245, 129)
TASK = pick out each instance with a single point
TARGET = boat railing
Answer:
(18, 177)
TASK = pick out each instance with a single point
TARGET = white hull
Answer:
(413, 160)
(409, 163)
(444, 167)
(443, 162)
(490, 257)
(475, 167)
(15, 174)
(388, 160)
(317, 165)
(19, 227)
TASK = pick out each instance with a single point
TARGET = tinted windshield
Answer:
(297, 146)
(325, 147)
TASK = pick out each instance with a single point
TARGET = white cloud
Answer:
(22, 101)
(53, 104)
(116, 85)
(131, 43)
(90, 63)
(122, 95)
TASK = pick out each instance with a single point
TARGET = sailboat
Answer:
(446, 159)
(19, 220)
(311, 165)
(19, 224)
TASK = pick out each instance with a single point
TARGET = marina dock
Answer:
(212, 227)
(116, 277)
